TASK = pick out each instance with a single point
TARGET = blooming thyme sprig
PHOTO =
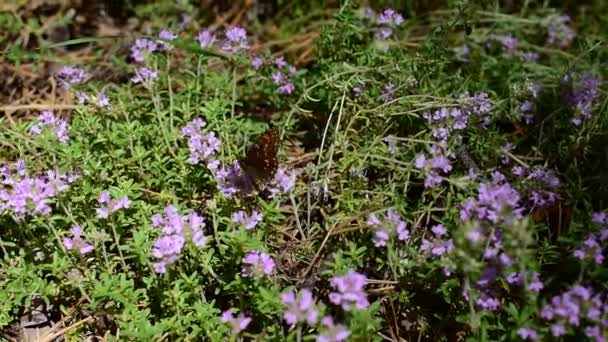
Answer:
(108, 206)
(101, 100)
(493, 211)
(392, 225)
(438, 245)
(59, 126)
(70, 76)
(144, 75)
(257, 264)
(349, 292)
(579, 308)
(22, 194)
(202, 146)
(143, 47)
(559, 33)
(434, 167)
(580, 93)
(282, 182)
(237, 323)
(385, 22)
(249, 221)
(332, 332)
(176, 230)
(76, 241)
(235, 39)
(278, 71)
(301, 307)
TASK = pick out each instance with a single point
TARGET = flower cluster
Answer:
(300, 307)
(386, 21)
(238, 323)
(509, 44)
(235, 39)
(534, 283)
(282, 182)
(477, 104)
(176, 229)
(592, 248)
(257, 264)
(434, 167)
(279, 71)
(332, 332)
(445, 121)
(144, 75)
(77, 242)
(143, 47)
(559, 33)
(101, 101)
(495, 206)
(59, 126)
(580, 93)
(577, 307)
(527, 333)
(69, 76)
(23, 195)
(349, 291)
(496, 202)
(108, 206)
(247, 220)
(543, 183)
(438, 245)
(391, 225)
(201, 145)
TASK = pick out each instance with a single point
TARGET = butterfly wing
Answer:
(261, 161)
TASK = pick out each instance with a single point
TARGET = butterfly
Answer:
(556, 216)
(261, 160)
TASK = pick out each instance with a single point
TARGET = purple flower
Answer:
(389, 89)
(202, 146)
(300, 307)
(144, 75)
(558, 32)
(580, 93)
(176, 229)
(333, 332)
(535, 284)
(205, 39)
(508, 42)
(257, 264)
(349, 291)
(59, 126)
(487, 302)
(108, 207)
(247, 220)
(392, 225)
(166, 35)
(24, 195)
(282, 182)
(143, 47)
(238, 323)
(76, 242)
(236, 40)
(257, 62)
(599, 218)
(438, 245)
(433, 167)
(69, 76)
(103, 101)
(527, 334)
(591, 249)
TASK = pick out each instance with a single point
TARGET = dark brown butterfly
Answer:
(556, 216)
(261, 160)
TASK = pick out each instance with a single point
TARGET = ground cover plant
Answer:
(304, 171)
